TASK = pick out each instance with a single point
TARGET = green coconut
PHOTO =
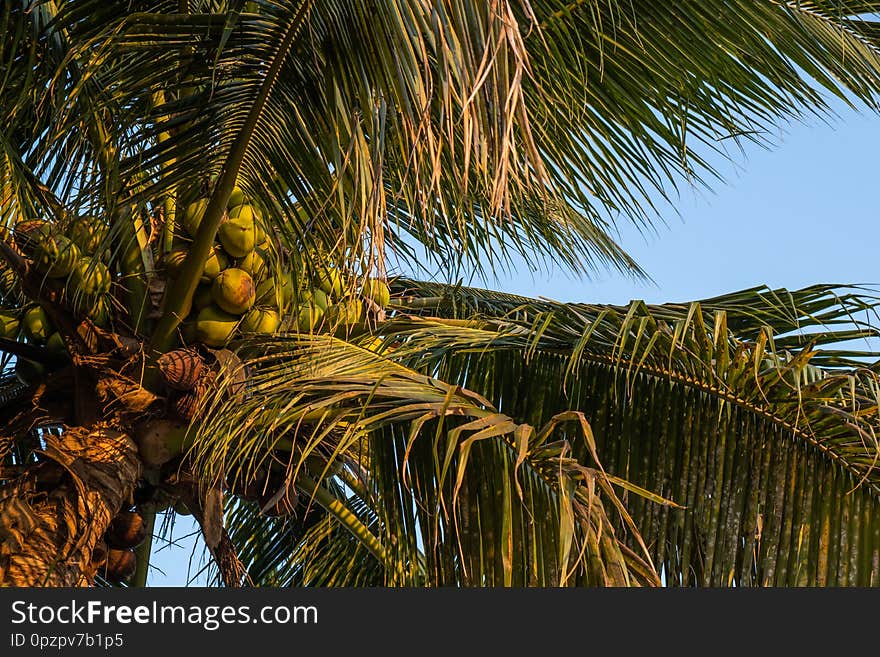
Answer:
(254, 264)
(345, 313)
(214, 327)
(331, 281)
(216, 262)
(193, 214)
(188, 333)
(266, 293)
(308, 317)
(55, 256)
(100, 311)
(236, 198)
(260, 236)
(287, 289)
(234, 291)
(90, 276)
(159, 441)
(174, 261)
(28, 371)
(88, 233)
(10, 325)
(377, 291)
(237, 234)
(319, 298)
(10, 287)
(36, 325)
(260, 320)
(246, 211)
(55, 345)
(203, 296)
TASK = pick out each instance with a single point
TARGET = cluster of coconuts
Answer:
(114, 556)
(243, 291)
(229, 299)
(74, 258)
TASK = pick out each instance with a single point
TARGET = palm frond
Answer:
(419, 453)
(769, 440)
(469, 131)
(291, 552)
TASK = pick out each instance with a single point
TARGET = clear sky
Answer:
(802, 213)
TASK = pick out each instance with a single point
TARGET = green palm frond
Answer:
(434, 462)
(471, 131)
(769, 440)
(295, 552)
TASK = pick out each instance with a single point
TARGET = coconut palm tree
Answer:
(234, 246)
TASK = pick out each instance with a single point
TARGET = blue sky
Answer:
(804, 212)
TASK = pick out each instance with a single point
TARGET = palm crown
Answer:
(160, 161)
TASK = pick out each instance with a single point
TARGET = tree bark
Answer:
(52, 516)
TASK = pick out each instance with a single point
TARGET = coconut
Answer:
(331, 281)
(36, 325)
(377, 291)
(203, 297)
(265, 293)
(308, 317)
(287, 289)
(246, 212)
(100, 311)
(192, 215)
(260, 236)
(215, 327)
(55, 256)
(90, 276)
(237, 234)
(234, 291)
(216, 262)
(126, 530)
(260, 320)
(346, 312)
(254, 264)
(10, 287)
(187, 331)
(88, 233)
(9, 325)
(55, 345)
(159, 441)
(185, 405)
(319, 298)
(121, 564)
(174, 261)
(236, 198)
(181, 368)
(28, 371)
(99, 554)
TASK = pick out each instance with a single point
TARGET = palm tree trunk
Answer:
(52, 517)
